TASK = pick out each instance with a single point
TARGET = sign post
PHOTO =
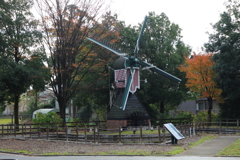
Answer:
(175, 134)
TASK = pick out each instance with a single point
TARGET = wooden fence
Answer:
(89, 134)
(224, 126)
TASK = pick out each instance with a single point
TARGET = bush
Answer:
(185, 114)
(47, 119)
(75, 122)
(202, 116)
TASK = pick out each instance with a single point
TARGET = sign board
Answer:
(174, 131)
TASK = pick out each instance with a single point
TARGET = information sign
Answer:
(174, 131)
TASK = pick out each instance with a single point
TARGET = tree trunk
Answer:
(36, 100)
(62, 108)
(209, 99)
(16, 119)
(162, 107)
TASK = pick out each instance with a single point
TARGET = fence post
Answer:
(85, 133)
(25, 128)
(120, 131)
(98, 136)
(66, 133)
(164, 134)
(185, 128)
(94, 135)
(227, 123)
(8, 134)
(22, 130)
(181, 128)
(190, 131)
(47, 132)
(140, 134)
(57, 131)
(203, 127)
(30, 131)
(77, 132)
(159, 134)
(220, 126)
(2, 130)
(237, 124)
(39, 132)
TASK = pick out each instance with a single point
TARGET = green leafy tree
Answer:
(161, 46)
(18, 31)
(225, 43)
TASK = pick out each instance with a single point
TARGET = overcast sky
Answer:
(193, 16)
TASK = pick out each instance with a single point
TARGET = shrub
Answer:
(47, 119)
(75, 122)
(184, 114)
(202, 116)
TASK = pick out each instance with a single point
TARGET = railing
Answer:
(223, 126)
(175, 121)
(89, 134)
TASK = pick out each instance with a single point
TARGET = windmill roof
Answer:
(120, 63)
(133, 105)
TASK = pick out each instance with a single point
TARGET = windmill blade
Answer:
(161, 72)
(127, 88)
(105, 46)
(139, 37)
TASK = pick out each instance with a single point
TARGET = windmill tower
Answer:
(126, 106)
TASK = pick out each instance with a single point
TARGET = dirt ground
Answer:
(36, 147)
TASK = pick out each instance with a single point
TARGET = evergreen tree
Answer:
(225, 43)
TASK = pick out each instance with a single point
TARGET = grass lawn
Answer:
(6, 121)
(138, 132)
(231, 150)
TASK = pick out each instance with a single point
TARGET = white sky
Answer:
(192, 16)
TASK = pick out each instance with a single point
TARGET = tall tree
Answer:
(66, 25)
(225, 43)
(95, 85)
(19, 33)
(200, 78)
(161, 45)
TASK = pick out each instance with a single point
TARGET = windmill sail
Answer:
(139, 37)
(129, 71)
(107, 47)
(161, 72)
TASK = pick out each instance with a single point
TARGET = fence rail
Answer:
(219, 127)
(94, 134)
(99, 133)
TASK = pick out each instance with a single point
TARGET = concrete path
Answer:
(210, 148)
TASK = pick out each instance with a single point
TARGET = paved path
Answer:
(210, 148)
(18, 157)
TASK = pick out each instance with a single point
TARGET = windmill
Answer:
(127, 70)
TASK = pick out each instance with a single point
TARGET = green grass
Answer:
(175, 151)
(55, 154)
(231, 150)
(6, 121)
(137, 132)
(14, 151)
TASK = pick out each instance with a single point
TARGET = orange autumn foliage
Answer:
(200, 75)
